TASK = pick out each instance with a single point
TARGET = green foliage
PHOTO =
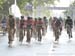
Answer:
(35, 3)
(5, 4)
(1, 3)
(70, 11)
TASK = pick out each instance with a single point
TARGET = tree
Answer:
(35, 3)
(4, 7)
(70, 11)
(1, 2)
(5, 4)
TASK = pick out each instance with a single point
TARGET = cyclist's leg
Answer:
(28, 35)
(11, 37)
(68, 32)
(21, 35)
(40, 36)
(57, 35)
(71, 33)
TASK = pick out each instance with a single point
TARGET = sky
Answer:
(62, 3)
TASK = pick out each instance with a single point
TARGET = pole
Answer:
(15, 2)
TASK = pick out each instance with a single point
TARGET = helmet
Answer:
(10, 16)
(68, 17)
(22, 16)
(39, 18)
